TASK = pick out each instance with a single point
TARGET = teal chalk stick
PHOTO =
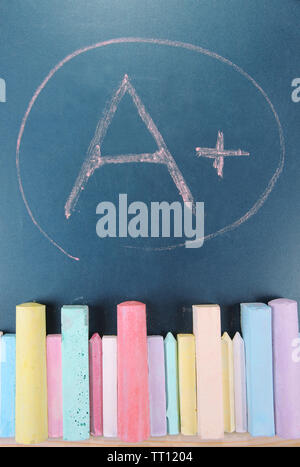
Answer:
(8, 385)
(256, 320)
(171, 368)
(75, 372)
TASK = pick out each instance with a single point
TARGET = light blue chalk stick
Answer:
(171, 366)
(75, 372)
(8, 385)
(256, 320)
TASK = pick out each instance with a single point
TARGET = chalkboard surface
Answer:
(207, 86)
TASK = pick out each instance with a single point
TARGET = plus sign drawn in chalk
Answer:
(218, 153)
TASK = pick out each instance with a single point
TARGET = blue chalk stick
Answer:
(75, 372)
(171, 367)
(256, 320)
(8, 385)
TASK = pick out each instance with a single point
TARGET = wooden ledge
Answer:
(230, 440)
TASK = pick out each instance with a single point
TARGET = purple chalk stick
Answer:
(286, 367)
(157, 388)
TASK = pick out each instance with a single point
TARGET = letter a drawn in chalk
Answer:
(94, 158)
(2, 90)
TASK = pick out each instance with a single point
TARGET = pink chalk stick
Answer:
(133, 388)
(54, 386)
(95, 361)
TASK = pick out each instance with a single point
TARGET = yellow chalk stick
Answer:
(228, 383)
(31, 376)
(187, 383)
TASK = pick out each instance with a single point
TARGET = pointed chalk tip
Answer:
(237, 337)
(226, 337)
(95, 337)
(170, 338)
(126, 77)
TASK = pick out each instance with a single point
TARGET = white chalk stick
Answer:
(240, 393)
(110, 388)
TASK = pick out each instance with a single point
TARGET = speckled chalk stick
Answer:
(207, 331)
(54, 386)
(157, 390)
(75, 371)
(240, 393)
(96, 412)
(171, 362)
(256, 320)
(8, 385)
(31, 374)
(133, 385)
(110, 386)
(286, 368)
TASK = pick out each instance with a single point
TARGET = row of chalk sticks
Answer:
(131, 386)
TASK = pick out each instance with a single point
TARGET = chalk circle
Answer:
(168, 43)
